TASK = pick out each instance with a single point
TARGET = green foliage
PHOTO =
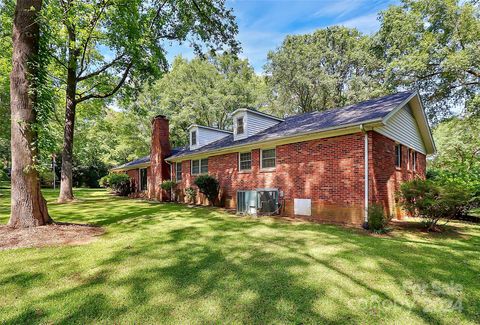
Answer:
(202, 91)
(377, 219)
(209, 186)
(458, 158)
(329, 68)
(118, 183)
(434, 201)
(168, 185)
(434, 45)
(191, 194)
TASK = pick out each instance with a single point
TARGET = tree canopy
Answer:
(434, 46)
(329, 68)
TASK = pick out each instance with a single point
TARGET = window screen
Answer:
(195, 167)
(398, 155)
(414, 160)
(245, 160)
(178, 171)
(204, 166)
(194, 138)
(268, 158)
(240, 128)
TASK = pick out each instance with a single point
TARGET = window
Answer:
(178, 171)
(204, 166)
(240, 128)
(143, 179)
(268, 158)
(414, 160)
(245, 160)
(200, 166)
(195, 167)
(398, 155)
(194, 138)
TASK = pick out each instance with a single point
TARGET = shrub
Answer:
(118, 183)
(208, 185)
(191, 194)
(167, 185)
(377, 219)
(434, 201)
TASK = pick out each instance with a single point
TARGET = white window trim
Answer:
(414, 160)
(241, 117)
(199, 166)
(401, 155)
(191, 138)
(176, 171)
(245, 170)
(261, 159)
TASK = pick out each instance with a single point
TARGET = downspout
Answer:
(366, 178)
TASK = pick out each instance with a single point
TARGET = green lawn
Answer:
(173, 264)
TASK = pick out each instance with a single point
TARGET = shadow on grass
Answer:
(171, 263)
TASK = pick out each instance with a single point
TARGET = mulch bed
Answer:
(54, 234)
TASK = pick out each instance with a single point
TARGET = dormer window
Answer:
(194, 138)
(240, 129)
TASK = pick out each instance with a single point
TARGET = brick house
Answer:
(326, 165)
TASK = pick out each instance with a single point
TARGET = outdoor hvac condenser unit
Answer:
(261, 201)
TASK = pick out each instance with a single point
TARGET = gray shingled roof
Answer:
(374, 109)
(144, 160)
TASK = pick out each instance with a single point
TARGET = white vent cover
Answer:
(302, 207)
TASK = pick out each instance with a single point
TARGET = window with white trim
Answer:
(268, 158)
(414, 160)
(398, 155)
(240, 128)
(245, 160)
(194, 138)
(200, 166)
(178, 171)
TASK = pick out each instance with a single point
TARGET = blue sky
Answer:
(264, 24)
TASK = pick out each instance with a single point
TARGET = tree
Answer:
(7, 10)
(102, 45)
(203, 91)
(329, 68)
(434, 45)
(29, 208)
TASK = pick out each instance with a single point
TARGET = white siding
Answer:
(206, 136)
(253, 124)
(402, 127)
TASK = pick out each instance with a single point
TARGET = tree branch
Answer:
(102, 69)
(110, 93)
(89, 37)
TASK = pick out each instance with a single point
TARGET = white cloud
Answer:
(366, 24)
(338, 8)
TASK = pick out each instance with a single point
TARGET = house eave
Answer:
(305, 136)
(136, 166)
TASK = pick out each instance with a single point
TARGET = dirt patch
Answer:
(55, 234)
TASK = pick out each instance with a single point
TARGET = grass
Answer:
(172, 264)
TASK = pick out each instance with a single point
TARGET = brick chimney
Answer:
(160, 149)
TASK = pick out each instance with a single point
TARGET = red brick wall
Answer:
(160, 149)
(385, 177)
(134, 175)
(329, 171)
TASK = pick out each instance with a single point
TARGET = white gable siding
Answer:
(206, 136)
(253, 123)
(402, 127)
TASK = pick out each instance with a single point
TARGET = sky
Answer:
(264, 24)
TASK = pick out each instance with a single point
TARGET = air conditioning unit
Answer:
(260, 201)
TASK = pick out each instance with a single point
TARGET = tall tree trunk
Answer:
(29, 208)
(66, 182)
